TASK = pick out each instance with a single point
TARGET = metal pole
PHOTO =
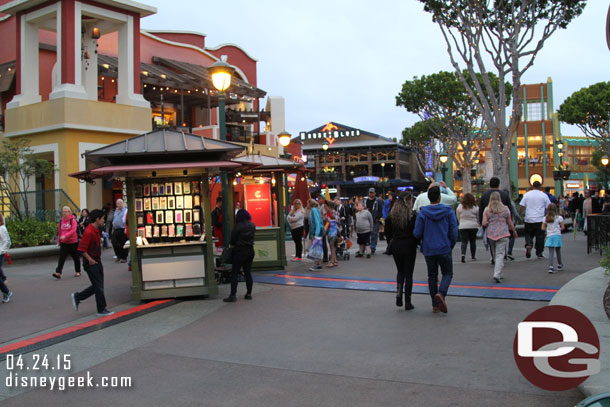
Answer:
(222, 127)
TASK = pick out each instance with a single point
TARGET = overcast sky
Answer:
(345, 61)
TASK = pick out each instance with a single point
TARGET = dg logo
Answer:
(556, 348)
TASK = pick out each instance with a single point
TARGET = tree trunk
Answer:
(466, 181)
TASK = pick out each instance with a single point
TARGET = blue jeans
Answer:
(3, 286)
(445, 262)
(374, 236)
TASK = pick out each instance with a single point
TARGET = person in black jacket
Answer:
(242, 243)
(403, 246)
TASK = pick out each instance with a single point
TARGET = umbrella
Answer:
(301, 191)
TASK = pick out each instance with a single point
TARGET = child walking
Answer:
(364, 227)
(553, 224)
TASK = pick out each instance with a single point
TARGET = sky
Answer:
(345, 61)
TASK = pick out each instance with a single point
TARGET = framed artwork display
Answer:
(179, 230)
(188, 216)
(138, 191)
(149, 218)
(148, 231)
(156, 231)
(186, 188)
(147, 204)
(164, 231)
(188, 230)
(196, 200)
(171, 202)
(139, 205)
(161, 189)
(169, 216)
(155, 203)
(179, 202)
(188, 202)
(147, 190)
(159, 215)
(171, 230)
(196, 215)
(177, 188)
(195, 189)
(142, 231)
(163, 202)
(178, 216)
(169, 190)
(154, 189)
(196, 229)
(140, 219)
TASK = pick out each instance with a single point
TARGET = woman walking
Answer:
(67, 239)
(83, 221)
(468, 218)
(499, 224)
(242, 242)
(316, 230)
(553, 224)
(364, 227)
(5, 244)
(296, 219)
(399, 228)
(333, 231)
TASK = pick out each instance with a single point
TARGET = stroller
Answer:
(343, 244)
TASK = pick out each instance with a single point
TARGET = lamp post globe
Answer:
(221, 74)
(560, 145)
(605, 160)
(325, 146)
(443, 157)
(284, 138)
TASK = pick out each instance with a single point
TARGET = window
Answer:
(535, 111)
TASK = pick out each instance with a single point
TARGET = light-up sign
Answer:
(330, 132)
(366, 179)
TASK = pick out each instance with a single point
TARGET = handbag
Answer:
(227, 255)
(316, 252)
(480, 232)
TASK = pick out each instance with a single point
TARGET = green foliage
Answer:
(418, 135)
(605, 261)
(30, 232)
(588, 109)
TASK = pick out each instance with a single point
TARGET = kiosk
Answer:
(167, 187)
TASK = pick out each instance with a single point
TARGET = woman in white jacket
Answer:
(296, 219)
(5, 244)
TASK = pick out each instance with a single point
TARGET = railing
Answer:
(598, 232)
(44, 204)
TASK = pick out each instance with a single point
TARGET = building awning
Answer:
(7, 75)
(120, 169)
(580, 142)
(265, 163)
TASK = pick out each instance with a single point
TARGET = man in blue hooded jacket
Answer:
(436, 225)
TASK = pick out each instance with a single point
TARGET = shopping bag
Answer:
(349, 244)
(316, 252)
(480, 232)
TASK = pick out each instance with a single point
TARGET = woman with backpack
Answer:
(67, 239)
(5, 244)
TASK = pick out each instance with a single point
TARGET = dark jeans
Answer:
(534, 230)
(469, 235)
(3, 286)
(374, 236)
(404, 253)
(445, 262)
(242, 257)
(297, 236)
(325, 248)
(118, 241)
(511, 244)
(96, 276)
(65, 250)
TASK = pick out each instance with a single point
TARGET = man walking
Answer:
(447, 196)
(375, 207)
(118, 234)
(535, 203)
(91, 249)
(436, 225)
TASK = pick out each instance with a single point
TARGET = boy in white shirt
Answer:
(535, 203)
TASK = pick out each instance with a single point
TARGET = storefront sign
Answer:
(328, 132)
(258, 203)
(366, 179)
(573, 185)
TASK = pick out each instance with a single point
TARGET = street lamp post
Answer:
(443, 157)
(383, 179)
(605, 160)
(221, 73)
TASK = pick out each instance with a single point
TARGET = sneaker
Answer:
(75, 302)
(105, 313)
(7, 297)
(116, 259)
(315, 268)
(372, 251)
(528, 251)
(230, 298)
(368, 255)
(497, 280)
(56, 275)
(510, 257)
(435, 310)
(551, 270)
(123, 261)
(359, 254)
(442, 305)
(560, 267)
(463, 259)
(540, 256)
(248, 296)
(296, 259)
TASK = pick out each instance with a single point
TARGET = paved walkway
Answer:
(291, 345)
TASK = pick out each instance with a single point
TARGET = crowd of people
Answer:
(432, 221)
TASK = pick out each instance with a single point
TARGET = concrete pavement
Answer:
(293, 345)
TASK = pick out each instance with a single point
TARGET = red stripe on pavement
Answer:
(78, 327)
(546, 290)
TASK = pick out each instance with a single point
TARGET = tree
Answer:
(421, 140)
(506, 35)
(589, 110)
(19, 163)
(441, 101)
